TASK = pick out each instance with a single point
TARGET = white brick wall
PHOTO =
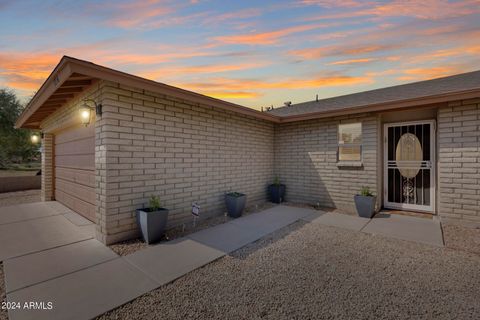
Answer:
(306, 161)
(153, 144)
(459, 164)
(148, 143)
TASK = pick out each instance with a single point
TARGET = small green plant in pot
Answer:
(152, 221)
(365, 203)
(235, 202)
(276, 191)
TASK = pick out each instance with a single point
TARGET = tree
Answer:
(15, 145)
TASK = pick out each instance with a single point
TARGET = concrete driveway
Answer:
(34, 227)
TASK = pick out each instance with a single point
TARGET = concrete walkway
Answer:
(414, 229)
(83, 279)
(34, 227)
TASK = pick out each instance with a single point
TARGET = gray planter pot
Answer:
(152, 224)
(365, 206)
(276, 193)
(235, 204)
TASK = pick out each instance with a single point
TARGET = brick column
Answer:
(47, 193)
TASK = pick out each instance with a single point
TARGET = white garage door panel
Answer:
(75, 170)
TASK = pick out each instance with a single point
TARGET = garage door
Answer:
(75, 169)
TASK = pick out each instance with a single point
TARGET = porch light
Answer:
(85, 115)
(35, 138)
(86, 110)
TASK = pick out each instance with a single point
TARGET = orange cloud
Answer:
(428, 73)
(226, 88)
(132, 14)
(316, 53)
(337, 35)
(334, 3)
(204, 69)
(133, 58)
(294, 83)
(25, 70)
(352, 61)
(232, 94)
(24, 85)
(426, 9)
(443, 54)
(265, 38)
(235, 15)
(382, 73)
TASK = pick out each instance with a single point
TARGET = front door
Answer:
(409, 176)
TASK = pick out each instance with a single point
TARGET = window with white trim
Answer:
(350, 141)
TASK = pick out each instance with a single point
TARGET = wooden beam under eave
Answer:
(47, 105)
(76, 75)
(32, 125)
(59, 100)
(49, 110)
(76, 83)
(69, 90)
(61, 95)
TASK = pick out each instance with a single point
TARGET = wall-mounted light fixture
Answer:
(35, 138)
(86, 110)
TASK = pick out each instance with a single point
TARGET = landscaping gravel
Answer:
(3, 312)
(462, 238)
(311, 271)
(12, 198)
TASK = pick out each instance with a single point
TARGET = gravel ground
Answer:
(11, 198)
(3, 313)
(310, 271)
(462, 238)
(130, 246)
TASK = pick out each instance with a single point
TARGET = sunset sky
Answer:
(254, 53)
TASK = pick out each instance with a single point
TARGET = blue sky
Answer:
(254, 53)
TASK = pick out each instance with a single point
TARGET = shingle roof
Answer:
(422, 89)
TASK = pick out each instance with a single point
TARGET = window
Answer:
(350, 142)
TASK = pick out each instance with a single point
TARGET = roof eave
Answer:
(109, 74)
(399, 104)
(59, 75)
(68, 66)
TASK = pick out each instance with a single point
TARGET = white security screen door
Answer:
(409, 175)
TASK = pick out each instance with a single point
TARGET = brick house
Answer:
(416, 146)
